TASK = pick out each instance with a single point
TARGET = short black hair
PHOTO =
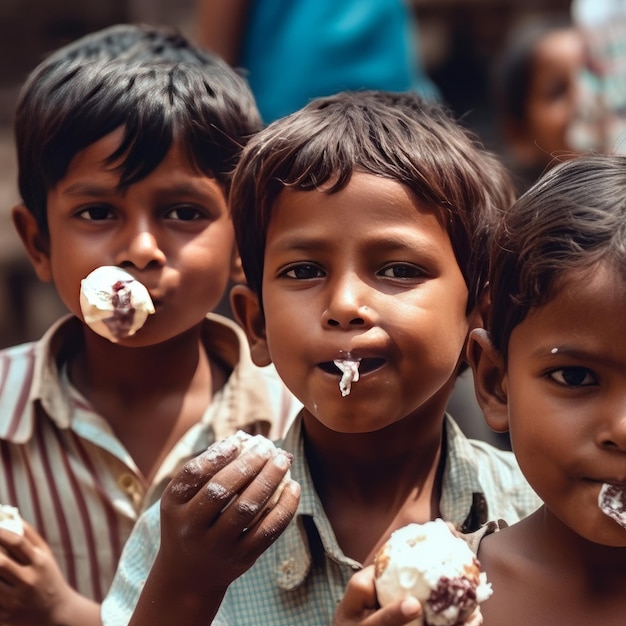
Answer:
(571, 218)
(398, 136)
(66, 106)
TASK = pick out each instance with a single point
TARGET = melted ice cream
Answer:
(427, 561)
(350, 374)
(10, 519)
(612, 502)
(113, 303)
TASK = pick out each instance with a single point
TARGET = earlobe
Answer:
(489, 379)
(36, 244)
(247, 311)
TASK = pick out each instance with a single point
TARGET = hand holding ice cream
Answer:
(427, 561)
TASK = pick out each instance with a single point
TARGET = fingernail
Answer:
(283, 460)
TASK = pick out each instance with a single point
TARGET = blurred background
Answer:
(460, 41)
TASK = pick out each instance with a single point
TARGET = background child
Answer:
(127, 165)
(551, 369)
(362, 222)
(536, 96)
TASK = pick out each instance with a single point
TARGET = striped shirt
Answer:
(302, 576)
(72, 479)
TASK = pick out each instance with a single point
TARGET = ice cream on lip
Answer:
(349, 367)
(114, 304)
(612, 502)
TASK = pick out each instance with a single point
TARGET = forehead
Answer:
(584, 304)
(559, 49)
(367, 201)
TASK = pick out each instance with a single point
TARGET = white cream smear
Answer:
(10, 519)
(113, 303)
(612, 502)
(350, 374)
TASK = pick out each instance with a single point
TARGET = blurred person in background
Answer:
(536, 96)
(294, 51)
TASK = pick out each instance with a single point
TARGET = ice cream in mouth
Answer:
(612, 502)
(349, 367)
(114, 304)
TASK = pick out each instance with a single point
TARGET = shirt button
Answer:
(131, 487)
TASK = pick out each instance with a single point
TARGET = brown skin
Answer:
(204, 547)
(171, 231)
(562, 394)
(386, 287)
(551, 102)
(32, 588)
(220, 25)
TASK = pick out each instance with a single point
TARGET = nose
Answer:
(346, 307)
(613, 432)
(141, 248)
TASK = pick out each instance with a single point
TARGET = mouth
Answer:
(366, 365)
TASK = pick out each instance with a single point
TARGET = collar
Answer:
(462, 502)
(37, 369)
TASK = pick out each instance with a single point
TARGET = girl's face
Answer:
(551, 104)
(565, 386)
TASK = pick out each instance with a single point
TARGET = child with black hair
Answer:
(536, 96)
(362, 222)
(124, 164)
(550, 368)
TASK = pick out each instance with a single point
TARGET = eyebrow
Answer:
(101, 191)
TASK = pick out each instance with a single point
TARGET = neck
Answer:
(386, 464)
(101, 364)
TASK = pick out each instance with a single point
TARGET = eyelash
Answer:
(561, 373)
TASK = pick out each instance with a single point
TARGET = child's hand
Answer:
(32, 587)
(215, 523)
(360, 608)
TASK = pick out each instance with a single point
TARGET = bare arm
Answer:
(220, 26)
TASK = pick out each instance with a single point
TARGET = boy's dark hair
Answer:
(132, 43)
(573, 217)
(396, 136)
(66, 106)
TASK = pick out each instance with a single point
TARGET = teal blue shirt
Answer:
(301, 578)
(297, 50)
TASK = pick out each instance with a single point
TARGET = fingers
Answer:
(360, 593)
(15, 547)
(196, 472)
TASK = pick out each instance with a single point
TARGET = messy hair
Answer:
(67, 106)
(397, 136)
(572, 218)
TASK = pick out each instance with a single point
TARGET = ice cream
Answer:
(612, 502)
(113, 303)
(350, 374)
(10, 519)
(430, 563)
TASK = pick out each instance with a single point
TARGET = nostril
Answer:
(357, 321)
(333, 323)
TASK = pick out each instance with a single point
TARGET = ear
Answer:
(37, 244)
(246, 308)
(489, 379)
